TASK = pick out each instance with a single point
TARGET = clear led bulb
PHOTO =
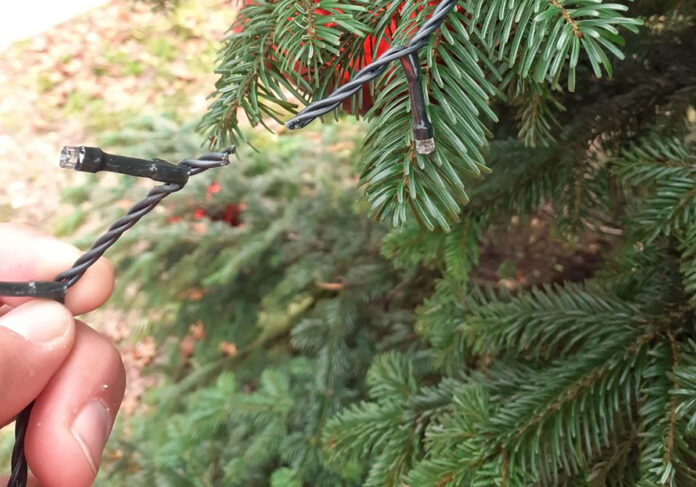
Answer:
(426, 146)
(70, 157)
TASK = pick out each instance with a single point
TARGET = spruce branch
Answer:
(548, 322)
(249, 78)
(665, 451)
(309, 34)
(383, 431)
(568, 18)
(537, 109)
(542, 429)
(606, 471)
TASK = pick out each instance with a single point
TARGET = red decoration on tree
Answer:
(371, 50)
(232, 214)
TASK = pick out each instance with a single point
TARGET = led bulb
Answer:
(426, 146)
(70, 157)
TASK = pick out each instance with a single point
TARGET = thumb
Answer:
(35, 339)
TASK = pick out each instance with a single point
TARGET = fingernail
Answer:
(38, 321)
(91, 430)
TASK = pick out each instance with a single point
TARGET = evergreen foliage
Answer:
(382, 354)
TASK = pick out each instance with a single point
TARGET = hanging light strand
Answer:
(92, 159)
(408, 55)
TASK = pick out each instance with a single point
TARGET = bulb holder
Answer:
(93, 159)
(422, 127)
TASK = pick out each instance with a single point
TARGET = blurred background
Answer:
(74, 70)
(28, 19)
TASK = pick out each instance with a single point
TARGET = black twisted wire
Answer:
(140, 209)
(19, 472)
(18, 478)
(373, 70)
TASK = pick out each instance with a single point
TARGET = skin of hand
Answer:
(74, 375)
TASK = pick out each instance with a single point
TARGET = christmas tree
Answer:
(516, 308)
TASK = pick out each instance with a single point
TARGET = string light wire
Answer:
(92, 159)
(408, 55)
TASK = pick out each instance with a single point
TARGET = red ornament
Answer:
(199, 213)
(371, 50)
(232, 214)
(214, 188)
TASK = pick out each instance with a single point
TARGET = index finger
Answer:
(27, 255)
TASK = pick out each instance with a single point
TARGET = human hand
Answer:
(74, 375)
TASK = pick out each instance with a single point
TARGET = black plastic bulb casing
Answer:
(93, 159)
(422, 127)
